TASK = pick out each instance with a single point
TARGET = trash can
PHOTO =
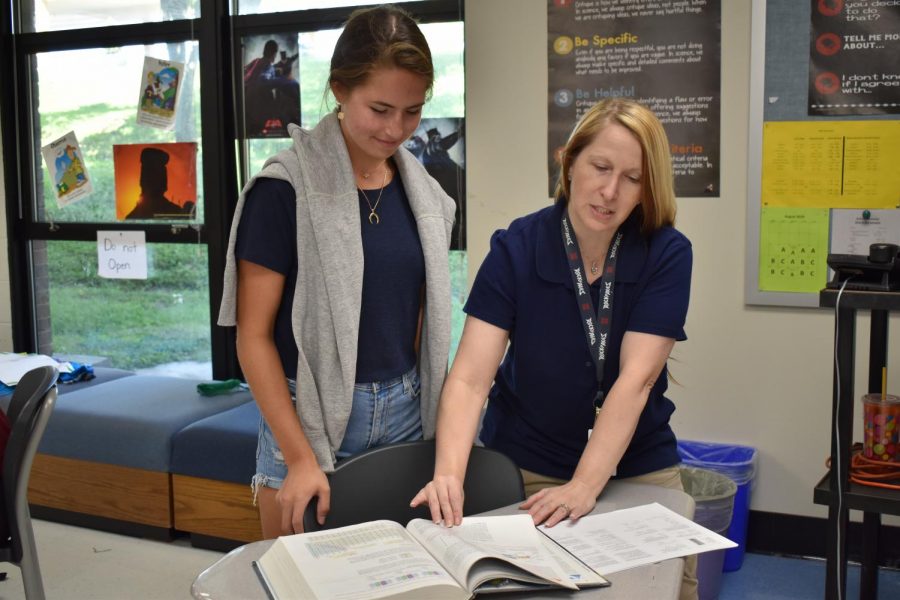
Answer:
(738, 463)
(713, 495)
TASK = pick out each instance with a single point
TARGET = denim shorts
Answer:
(383, 412)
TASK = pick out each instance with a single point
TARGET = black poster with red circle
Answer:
(854, 47)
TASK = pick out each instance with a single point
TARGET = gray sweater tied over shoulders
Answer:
(328, 295)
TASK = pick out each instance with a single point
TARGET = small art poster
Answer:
(155, 181)
(440, 145)
(160, 89)
(271, 87)
(65, 162)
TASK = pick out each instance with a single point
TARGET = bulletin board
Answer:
(822, 177)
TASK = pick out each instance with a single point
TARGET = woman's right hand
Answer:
(467, 385)
(444, 496)
(304, 482)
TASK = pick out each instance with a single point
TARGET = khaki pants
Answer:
(669, 477)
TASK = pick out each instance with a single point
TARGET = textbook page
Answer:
(512, 539)
(632, 537)
(577, 572)
(362, 562)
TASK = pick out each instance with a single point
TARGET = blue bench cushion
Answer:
(101, 375)
(221, 447)
(130, 421)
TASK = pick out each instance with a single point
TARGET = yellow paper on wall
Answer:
(831, 164)
(793, 248)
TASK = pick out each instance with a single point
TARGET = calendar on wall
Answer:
(792, 250)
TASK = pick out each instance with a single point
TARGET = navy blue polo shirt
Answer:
(540, 406)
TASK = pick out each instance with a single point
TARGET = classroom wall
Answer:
(759, 376)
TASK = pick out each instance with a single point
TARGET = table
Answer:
(232, 576)
(835, 489)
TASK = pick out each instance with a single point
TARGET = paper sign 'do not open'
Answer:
(121, 255)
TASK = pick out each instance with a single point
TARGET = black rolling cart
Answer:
(835, 490)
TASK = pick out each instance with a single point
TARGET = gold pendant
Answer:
(373, 218)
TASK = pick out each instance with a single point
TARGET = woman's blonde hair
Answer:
(657, 208)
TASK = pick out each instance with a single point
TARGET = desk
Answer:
(835, 489)
(232, 576)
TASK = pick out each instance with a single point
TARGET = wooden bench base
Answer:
(102, 490)
(204, 507)
(215, 508)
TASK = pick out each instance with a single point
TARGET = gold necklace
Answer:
(373, 216)
(594, 267)
(368, 174)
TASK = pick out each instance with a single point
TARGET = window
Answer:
(56, 15)
(133, 324)
(101, 110)
(77, 68)
(247, 7)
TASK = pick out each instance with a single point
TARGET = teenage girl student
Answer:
(337, 275)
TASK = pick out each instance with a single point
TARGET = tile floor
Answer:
(84, 564)
(766, 577)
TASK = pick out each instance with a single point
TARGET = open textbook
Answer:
(382, 559)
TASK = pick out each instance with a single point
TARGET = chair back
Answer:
(379, 484)
(29, 410)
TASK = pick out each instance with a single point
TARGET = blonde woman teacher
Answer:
(590, 295)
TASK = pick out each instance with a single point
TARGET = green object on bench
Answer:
(218, 388)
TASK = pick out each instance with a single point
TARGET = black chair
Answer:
(379, 484)
(29, 410)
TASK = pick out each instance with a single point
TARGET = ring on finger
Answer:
(565, 507)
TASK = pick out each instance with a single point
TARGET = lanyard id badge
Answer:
(596, 324)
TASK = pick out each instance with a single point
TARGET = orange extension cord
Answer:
(875, 473)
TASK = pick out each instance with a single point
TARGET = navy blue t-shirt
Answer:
(393, 279)
(393, 273)
(540, 406)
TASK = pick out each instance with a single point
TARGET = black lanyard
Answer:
(596, 325)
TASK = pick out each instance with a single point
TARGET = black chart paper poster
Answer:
(665, 54)
(854, 57)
